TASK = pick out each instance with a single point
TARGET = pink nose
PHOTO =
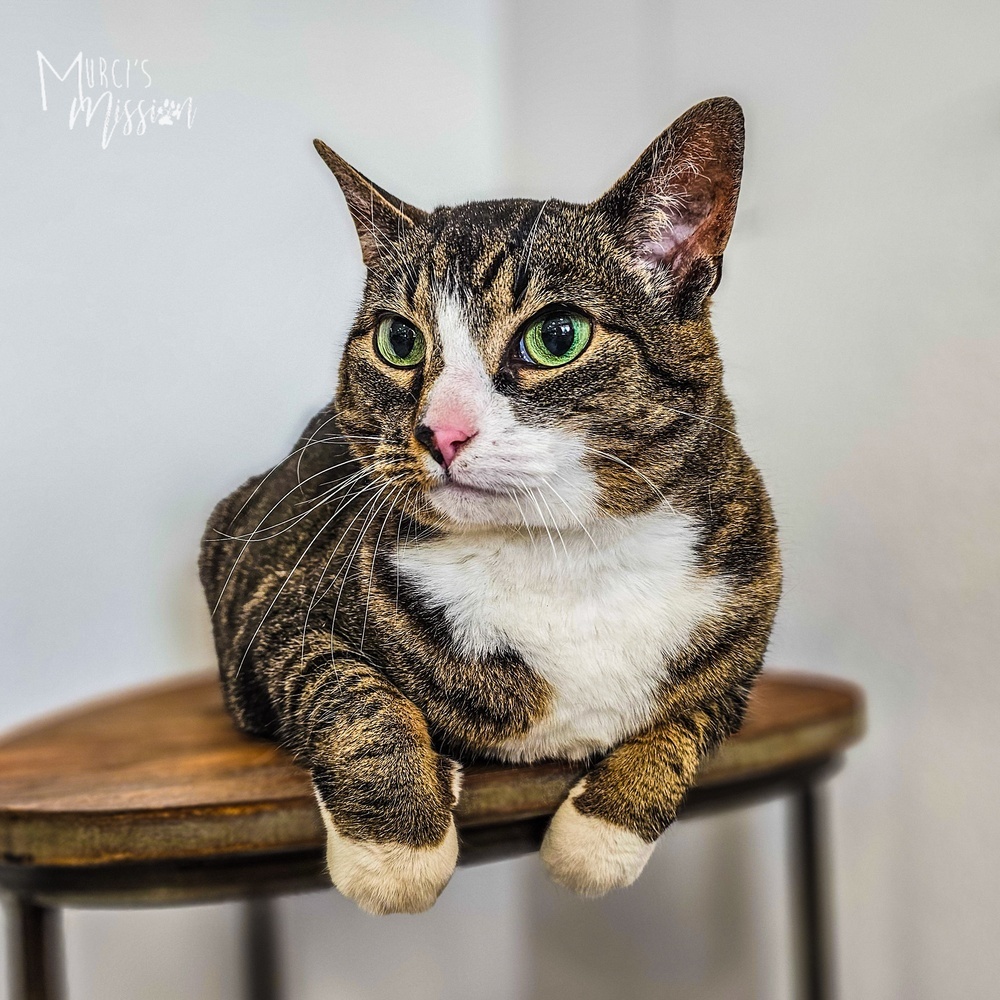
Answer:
(443, 442)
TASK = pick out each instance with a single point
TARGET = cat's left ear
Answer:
(674, 209)
(379, 218)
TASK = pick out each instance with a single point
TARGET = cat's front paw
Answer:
(589, 855)
(389, 877)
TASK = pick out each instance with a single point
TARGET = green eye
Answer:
(555, 339)
(399, 343)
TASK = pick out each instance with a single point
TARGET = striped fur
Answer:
(595, 573)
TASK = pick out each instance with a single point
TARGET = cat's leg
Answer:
(601, 837)
(386, 796)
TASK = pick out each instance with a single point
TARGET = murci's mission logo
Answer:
(111, 93)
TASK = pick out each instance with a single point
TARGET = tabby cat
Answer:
(524, 528)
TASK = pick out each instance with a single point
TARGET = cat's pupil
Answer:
(558, 334)
(401, 336)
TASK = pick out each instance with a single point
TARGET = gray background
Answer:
(172, 308)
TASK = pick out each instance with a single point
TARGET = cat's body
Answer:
(486, 547)
(628, 600)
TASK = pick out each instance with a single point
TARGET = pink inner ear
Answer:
(661, 248)
(676, 219)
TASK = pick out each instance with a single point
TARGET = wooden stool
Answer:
(153, 798)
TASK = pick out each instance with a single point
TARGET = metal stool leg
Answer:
(260, 944)
(812, 915)
(35, 952)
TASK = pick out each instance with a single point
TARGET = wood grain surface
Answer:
(160, 772)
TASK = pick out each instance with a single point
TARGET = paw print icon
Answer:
(168, 112)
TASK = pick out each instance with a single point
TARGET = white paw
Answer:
(389, 877)
(589, 855)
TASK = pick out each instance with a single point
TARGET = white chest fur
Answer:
(597, 619)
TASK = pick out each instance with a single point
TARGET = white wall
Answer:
(171, 309)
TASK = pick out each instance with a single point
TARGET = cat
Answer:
(525, 527)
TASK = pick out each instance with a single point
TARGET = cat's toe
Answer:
(390, 877)
(589, 855)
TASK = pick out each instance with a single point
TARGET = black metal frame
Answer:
(809, 858)
(36, 895)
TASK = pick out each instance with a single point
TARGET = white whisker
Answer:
(703, 420)
(371, 571)
(350, 559)
(531, 493)
(248, 540)
(614, 458)
(555, 523)
(571, 511)
(399, 527)
(333, 552)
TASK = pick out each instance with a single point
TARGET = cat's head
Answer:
(543, 363)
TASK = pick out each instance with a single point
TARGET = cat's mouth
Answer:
(471, 504)
(456, 488)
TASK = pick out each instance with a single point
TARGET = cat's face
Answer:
(542, 363)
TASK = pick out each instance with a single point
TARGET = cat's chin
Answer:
(468, 505)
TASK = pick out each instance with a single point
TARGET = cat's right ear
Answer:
(379, 218)
(673, 210)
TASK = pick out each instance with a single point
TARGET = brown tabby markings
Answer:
(321, 643)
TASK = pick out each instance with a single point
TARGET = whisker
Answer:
(411, 528)
(703, 420)
(363, 511)
(309, 442)
(337, 486)
(531, 493)
(614, 458)
(274, 468)
(531, 535)
(399, 527)
(242, 552)
(316, 502)
(371, 571)
(345, 569)
(328, 440)
(274, 600)
(350, 560)
(291, 573)
(525, 262)
(571, 511)
(333, 552)
(555, 524)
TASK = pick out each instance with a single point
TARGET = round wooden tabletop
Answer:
(161, 773)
